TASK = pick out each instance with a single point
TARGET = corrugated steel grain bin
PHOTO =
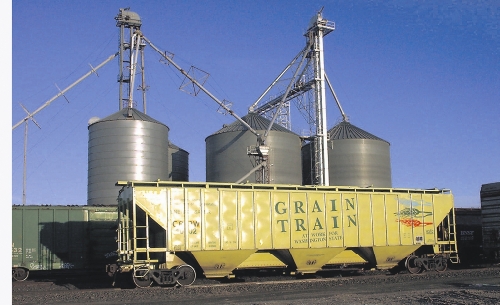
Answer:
(355, 158)
(125, 145)
(227, 158)
(178, 163)
(232, 226)
(490, 212)
(63, 237)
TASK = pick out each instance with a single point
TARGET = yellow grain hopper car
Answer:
(169, 231)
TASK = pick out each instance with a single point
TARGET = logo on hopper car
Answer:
(414, 222)
(412, 212)
(409, 212)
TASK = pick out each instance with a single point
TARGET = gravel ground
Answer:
(473, 286)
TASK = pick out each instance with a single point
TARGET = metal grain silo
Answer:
(355, 158)
(178, 163)
(227, 159)
(306, 162)
(127, 145)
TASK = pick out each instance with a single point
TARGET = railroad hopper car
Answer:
(169, 231)
(469, 235)
(490, 213)
(63, 239)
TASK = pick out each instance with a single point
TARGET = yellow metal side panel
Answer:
(194, 219)
(229, 221)
(388, 257)
(346, 257)
(334, 220)
(317, 221)
(417, 217)
(262, 219)
(408, 215)
(281, 221)
(261, 259)
(299, 220)
(211, 230)
(177, 239)
(311, 260)
(350, 219)
(171, 260)
(220, 263)
(365, 220)
(154, 202)
(428, 216)
(246, 220)
(442, 206)
(392, 210)
(379, 220)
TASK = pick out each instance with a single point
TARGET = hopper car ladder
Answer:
(123, 234)
(136, 256)
(447, 242)
(134, 236)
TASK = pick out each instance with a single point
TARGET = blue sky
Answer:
(422, 75)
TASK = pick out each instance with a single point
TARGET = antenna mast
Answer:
(31, 115)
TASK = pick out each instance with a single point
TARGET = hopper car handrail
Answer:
(284, 187)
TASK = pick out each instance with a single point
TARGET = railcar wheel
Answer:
(441, 264)
(411, 265)
(142, 278)
(20, 274)
(186, 275)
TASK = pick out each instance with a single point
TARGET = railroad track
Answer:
(465, 286)
(99, 282)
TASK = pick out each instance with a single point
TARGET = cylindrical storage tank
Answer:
(355, 158)
(178, 163)
(307, 164)
(227, 159)
(127, 145)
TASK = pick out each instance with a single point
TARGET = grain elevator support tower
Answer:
(318, 28)
(127, 19)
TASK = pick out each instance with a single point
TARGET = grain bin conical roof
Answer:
(130, 114)
(255, 121)
(345, 130)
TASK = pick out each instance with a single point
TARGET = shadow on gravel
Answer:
(489, 287)
(339, 273)
(73, 281)
(227, 281)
